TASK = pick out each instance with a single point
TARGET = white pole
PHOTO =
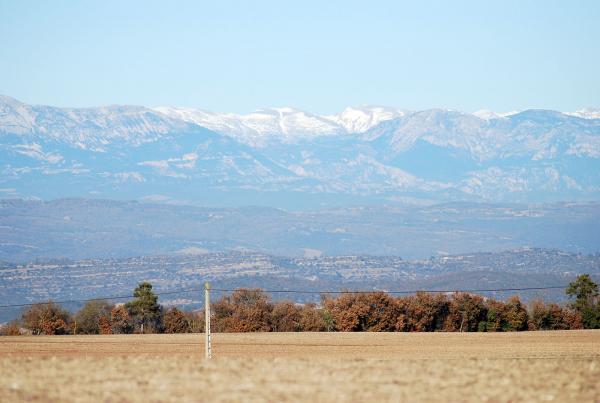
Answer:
(207, 320)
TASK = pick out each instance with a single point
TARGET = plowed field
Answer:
(528, 366)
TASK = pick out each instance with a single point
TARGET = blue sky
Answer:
(316, 55)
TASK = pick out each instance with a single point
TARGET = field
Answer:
(528, 366)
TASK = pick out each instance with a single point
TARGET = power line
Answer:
(70, 301)
(400, 292)
(182, 291)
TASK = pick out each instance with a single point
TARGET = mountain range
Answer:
(285, 157)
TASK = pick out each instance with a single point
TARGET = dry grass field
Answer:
(529, 366)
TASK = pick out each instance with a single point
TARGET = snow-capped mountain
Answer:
(260, 127)
(285, 124)
(487, 114)
(586, 113)
(290, 158)
(360, 119)
(532, 134)
(86, 127)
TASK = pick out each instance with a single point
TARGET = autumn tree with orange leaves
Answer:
(245, 310)
(47, 318)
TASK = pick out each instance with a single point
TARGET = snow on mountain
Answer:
(86, 127)
(534, 134)
(257, 128)
(15, 117)
(438, 127)
(487, 114)
(288, 121)
(227, 123)
(586, 113)
(374, 152)
(285, 124)
(361, 119)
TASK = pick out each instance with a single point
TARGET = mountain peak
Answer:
(359, 119)
(586, 113)
(5, 99)
(486, 114)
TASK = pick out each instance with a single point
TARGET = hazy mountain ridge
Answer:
(92, 128)
(80, 228)
(288, 158)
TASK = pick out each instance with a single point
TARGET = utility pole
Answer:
(207, 320)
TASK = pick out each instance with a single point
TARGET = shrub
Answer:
(496, 317)
(553, 317)
(175, 322)
(120, 321)
(12, 328)
(516, 314)
(286, 317)
(87, 319)
(104, 325)
(374, 312)
(243, 311)
(345, 312)
(47, 318)
(382, 312)
(312, 319)
(250, 310)
(195, 321)
(572, 319)
(465, 313)
(422, 312)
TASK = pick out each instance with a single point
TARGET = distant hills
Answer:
(62, 280)
(96, 228)
(283, 157)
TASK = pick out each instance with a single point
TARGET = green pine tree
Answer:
(585, 292)
(145, 310)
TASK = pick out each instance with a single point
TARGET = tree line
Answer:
(251, 310)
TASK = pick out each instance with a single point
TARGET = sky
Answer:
(320, 56)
